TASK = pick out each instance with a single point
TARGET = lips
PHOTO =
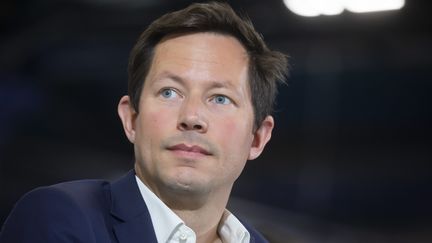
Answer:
(190, 149)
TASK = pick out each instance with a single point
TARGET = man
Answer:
(201, 88)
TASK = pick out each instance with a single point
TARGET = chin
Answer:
(188, 185)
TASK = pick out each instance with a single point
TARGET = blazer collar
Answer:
(128, 207)
(131, 213)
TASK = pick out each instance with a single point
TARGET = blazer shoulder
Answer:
(78, 189)
(47, 214)
(256, 237)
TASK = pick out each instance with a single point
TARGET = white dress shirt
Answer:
(169, 228)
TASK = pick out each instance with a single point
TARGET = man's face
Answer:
(194, 130)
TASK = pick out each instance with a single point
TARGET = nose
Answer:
(192, 117)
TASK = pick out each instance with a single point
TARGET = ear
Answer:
(261, 136)
(127, 116)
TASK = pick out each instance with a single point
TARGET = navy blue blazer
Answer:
(87, 211)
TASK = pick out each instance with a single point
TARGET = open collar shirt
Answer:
(169, 228)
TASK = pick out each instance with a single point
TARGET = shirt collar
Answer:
(232, 230)
(166, 223)
(164, 220)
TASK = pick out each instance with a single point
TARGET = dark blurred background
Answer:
(350, 157)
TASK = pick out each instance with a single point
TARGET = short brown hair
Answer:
(266, 67)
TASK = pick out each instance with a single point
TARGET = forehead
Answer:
(204, 42)
(207, 56)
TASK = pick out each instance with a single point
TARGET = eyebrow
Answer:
(167, 74)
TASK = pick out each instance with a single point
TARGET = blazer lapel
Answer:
(135, 231)
(133, 222)
(252, 239)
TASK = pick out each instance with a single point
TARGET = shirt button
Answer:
(183, 236)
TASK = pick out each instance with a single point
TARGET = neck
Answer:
(204, 216)
(200, 212)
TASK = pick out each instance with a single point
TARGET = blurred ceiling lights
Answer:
(313, 8)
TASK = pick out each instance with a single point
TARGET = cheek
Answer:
(230, 125)
(155, 120)
(235, 135)
(235, 139)
(151, 127)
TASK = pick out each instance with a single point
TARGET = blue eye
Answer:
(221, 99)
(168, 93)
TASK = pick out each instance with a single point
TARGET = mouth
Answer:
(193, 149)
